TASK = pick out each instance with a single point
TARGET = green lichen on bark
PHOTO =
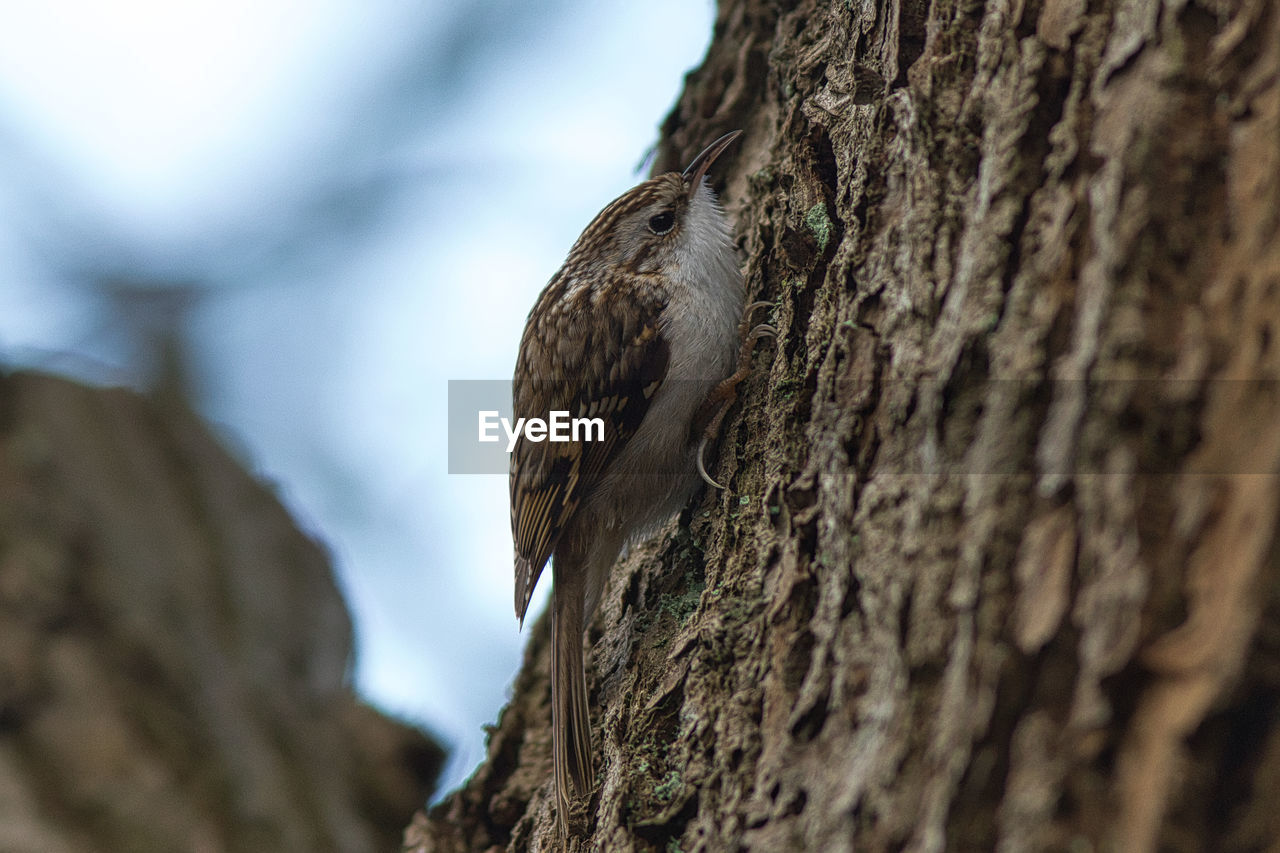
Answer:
(817, 221)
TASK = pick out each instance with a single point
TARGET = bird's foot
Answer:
(717, 404)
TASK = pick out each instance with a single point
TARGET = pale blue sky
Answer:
(367, 196)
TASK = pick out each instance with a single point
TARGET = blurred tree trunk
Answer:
(174, 652)
(996, 565)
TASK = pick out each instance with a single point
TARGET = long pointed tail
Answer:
(570, 720)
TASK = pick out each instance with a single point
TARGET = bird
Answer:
(639, 328)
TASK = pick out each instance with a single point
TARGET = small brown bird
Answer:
(639, 328)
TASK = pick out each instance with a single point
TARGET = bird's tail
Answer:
(570, 720)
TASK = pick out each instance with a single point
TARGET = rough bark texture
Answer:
(996, 568)
(173, 652)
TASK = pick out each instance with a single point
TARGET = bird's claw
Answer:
(724, 394)
(702, 468)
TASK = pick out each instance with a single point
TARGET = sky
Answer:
(345, 204)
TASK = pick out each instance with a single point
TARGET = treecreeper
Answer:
(645, 328)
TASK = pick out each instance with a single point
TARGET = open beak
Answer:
(698, 168)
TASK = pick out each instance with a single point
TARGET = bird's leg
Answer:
(713, 409)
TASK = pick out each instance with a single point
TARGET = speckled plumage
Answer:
(637, 327)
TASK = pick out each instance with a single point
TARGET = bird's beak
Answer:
(698, 168)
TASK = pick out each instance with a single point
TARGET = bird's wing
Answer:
(595, 362)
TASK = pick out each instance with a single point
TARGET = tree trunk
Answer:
(174, 652)
(996, 564)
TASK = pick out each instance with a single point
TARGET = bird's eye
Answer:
(662, 222)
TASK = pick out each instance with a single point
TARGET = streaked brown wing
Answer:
(627, 355)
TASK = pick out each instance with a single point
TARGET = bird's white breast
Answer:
(656, 471)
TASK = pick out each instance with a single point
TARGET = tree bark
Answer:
(174, 653)
(996, 567)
